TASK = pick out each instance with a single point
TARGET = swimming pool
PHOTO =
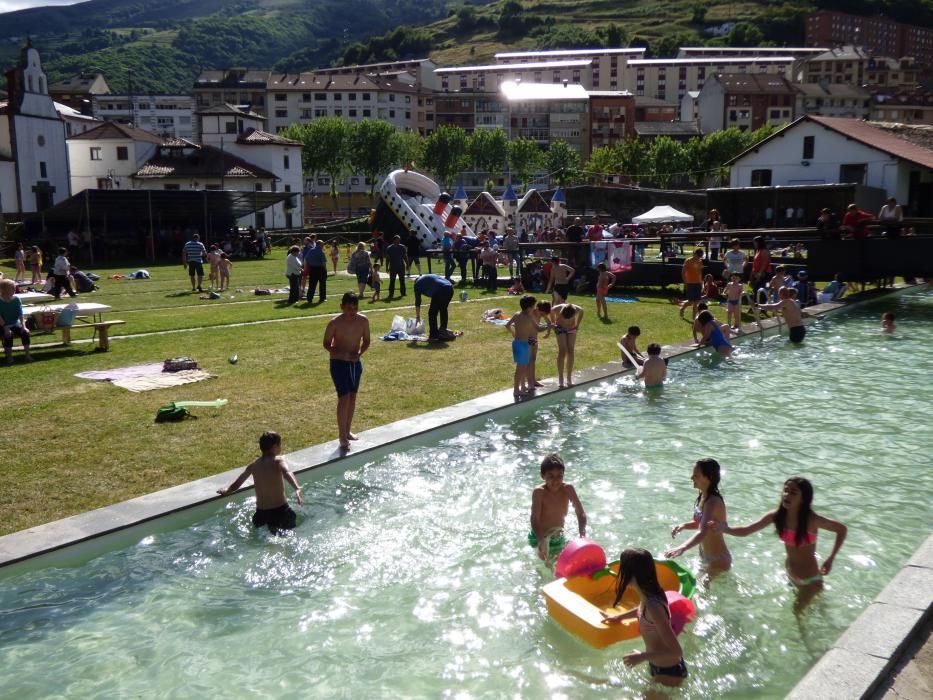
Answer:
(409, 575)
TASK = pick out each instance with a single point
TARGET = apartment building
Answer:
(855, 65)
(798, 52)
(169, 116)
(612, 117)
(607, 66)
(878, 34)
(78, 90)
(834, 100)
(906, 107)
(669, 79)
(746, 102)
(546, 112)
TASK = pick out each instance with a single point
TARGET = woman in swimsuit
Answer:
(662, 650)
(713, 333)
(797, 527)
(709, 509)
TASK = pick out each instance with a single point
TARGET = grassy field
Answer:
(71, 444)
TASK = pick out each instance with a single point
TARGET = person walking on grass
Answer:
(193, 255)
(346, 338)
(396, 256)
(316, 265)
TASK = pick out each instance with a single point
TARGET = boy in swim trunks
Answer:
(604, 282)
(270, 472)
(734, 301)
(629, 342)
(565, 320)
(549, 503)
(559, 280)
(654, 371)
(791, 312)
(524, 330)
(887, 322)
(346, 338)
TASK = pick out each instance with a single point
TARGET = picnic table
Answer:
(89, 314)
(33, 297)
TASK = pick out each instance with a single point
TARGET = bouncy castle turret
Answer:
(559, 207)
(460, 197)
(441, 204)
(510, 205)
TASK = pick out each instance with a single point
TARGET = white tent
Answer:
(662, 215)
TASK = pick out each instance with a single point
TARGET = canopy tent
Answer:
(662, 215)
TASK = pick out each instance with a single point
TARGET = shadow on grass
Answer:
(429, 344)
(186, 293)
(606, 320)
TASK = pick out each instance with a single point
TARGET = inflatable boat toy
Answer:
(577, 603)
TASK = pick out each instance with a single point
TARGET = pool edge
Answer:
(47, 538)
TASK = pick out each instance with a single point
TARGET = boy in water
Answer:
(524, 330)
(565, 320)
(549, 503)
(654, 371)
(270, 472)
(628, 342)
(734, 301)
(887, 322)
(346, 338)
(791, 312)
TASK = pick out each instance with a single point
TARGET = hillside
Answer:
(161, 44)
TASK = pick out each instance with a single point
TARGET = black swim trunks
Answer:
(276, 519)
(346, 376)
(563, 290)
(678, 670)
(797, 333)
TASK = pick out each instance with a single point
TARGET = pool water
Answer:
(409, 576)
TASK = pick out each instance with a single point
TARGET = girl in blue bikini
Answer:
(797, 526)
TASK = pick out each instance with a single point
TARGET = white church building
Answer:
(33, 153)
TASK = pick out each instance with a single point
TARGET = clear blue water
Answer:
(409, 575)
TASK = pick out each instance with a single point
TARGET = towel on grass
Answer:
(402, 335)
(162, 380)
(108, 375)
(621, 300)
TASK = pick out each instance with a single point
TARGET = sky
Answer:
(10, 5)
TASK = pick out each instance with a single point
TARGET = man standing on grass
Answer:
(396, 257)
(192, 257)
(316, 266)
(346, 338)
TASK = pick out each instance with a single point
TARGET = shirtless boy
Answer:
(887, 322)
(565, 320)
(604, 282)
(269, 474)
(559, 280)
(549, 503)
(734, 301)
(791, 313)
(654, 371)
(524, 330)
(346, 338)
(628, 344)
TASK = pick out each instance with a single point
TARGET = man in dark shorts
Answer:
(346, 338)
(269, 473)
(440, 291)
(192, 257)
(397, 257)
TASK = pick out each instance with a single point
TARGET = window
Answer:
(352, 97)
(367, 96)
(230, 127)
(392, 114)
(808, 147)
(281, 114)
(351, 113)
(338, 112)
(761, 178)
(853, 172)
(320, 97)
(288, 188)
(95, 153)
(367, 112)
(323, 181)
(280, 97)
(259, 187)
(104, 183)
(306, 97)
(43, 172)
(286, 162)
(123, 153)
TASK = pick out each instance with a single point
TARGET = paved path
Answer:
(912, 677)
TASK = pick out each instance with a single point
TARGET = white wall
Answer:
(8, 201)
(86, 172)
(711, 104)
(272, 158)
(784, 157)
(53, 152)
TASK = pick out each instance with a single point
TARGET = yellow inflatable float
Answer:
(577, 603)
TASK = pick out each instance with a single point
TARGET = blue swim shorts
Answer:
(521, 352)
(346, 376)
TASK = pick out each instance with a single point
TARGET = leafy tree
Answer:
(698, 13)
(563, 163)
(667, 160)
(466, 18)
(525, 156)
(634, 159)
(488, 150)
(408, 147)
(446, 153)
(745, 34)
(722, 146)
(604, 160)
(615, 35)
(568, 37)
(372, 149)
(670, 44)
(511, 20)
(325, 147)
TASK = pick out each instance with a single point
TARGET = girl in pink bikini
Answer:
(797, 526)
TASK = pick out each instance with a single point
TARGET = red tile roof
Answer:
(205, 162)
(113, 130)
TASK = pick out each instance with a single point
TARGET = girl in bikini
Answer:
(797, 526)
(662, 650)
(604, 282)
(709, 509)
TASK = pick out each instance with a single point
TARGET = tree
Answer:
(745, 34)
(670, 44)
(722, 146)
(466, 18)
(563, 163)
(511, 19)
(408, 147)
(604, 160)
(446, 153)
(633, 159)
(667, 160)
(488, 150)
(616, 36)
(325, 144)
(698, 13)
(372, 149)
(525, 156)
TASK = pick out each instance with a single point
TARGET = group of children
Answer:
(795, 523)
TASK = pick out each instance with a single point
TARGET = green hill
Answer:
(162, 44)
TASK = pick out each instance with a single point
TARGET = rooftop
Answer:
(204, 162)
(721, 60)
(571, 52)
(667, 129)
(262, 138)
(228, 108)
(755, 82)
(506, 67)
(338, 81)
(114, 131)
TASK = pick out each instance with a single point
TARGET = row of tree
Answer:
(336, 147)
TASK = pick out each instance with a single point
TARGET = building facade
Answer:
(79, 90)
(606, 68)
(746, 102)
(106, 158)
(169, 116)
(878, 34)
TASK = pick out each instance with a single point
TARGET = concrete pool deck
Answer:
(860, 662)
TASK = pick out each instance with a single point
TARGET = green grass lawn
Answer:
(71, 444)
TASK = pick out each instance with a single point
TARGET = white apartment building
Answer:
(75, 122)
(169, 116)
(302, 97)
(489, 78)
(107, 157)
(669, 79)
(606, 65)
(747, 51)
(547, 112)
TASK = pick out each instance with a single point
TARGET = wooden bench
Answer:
(101, 331)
